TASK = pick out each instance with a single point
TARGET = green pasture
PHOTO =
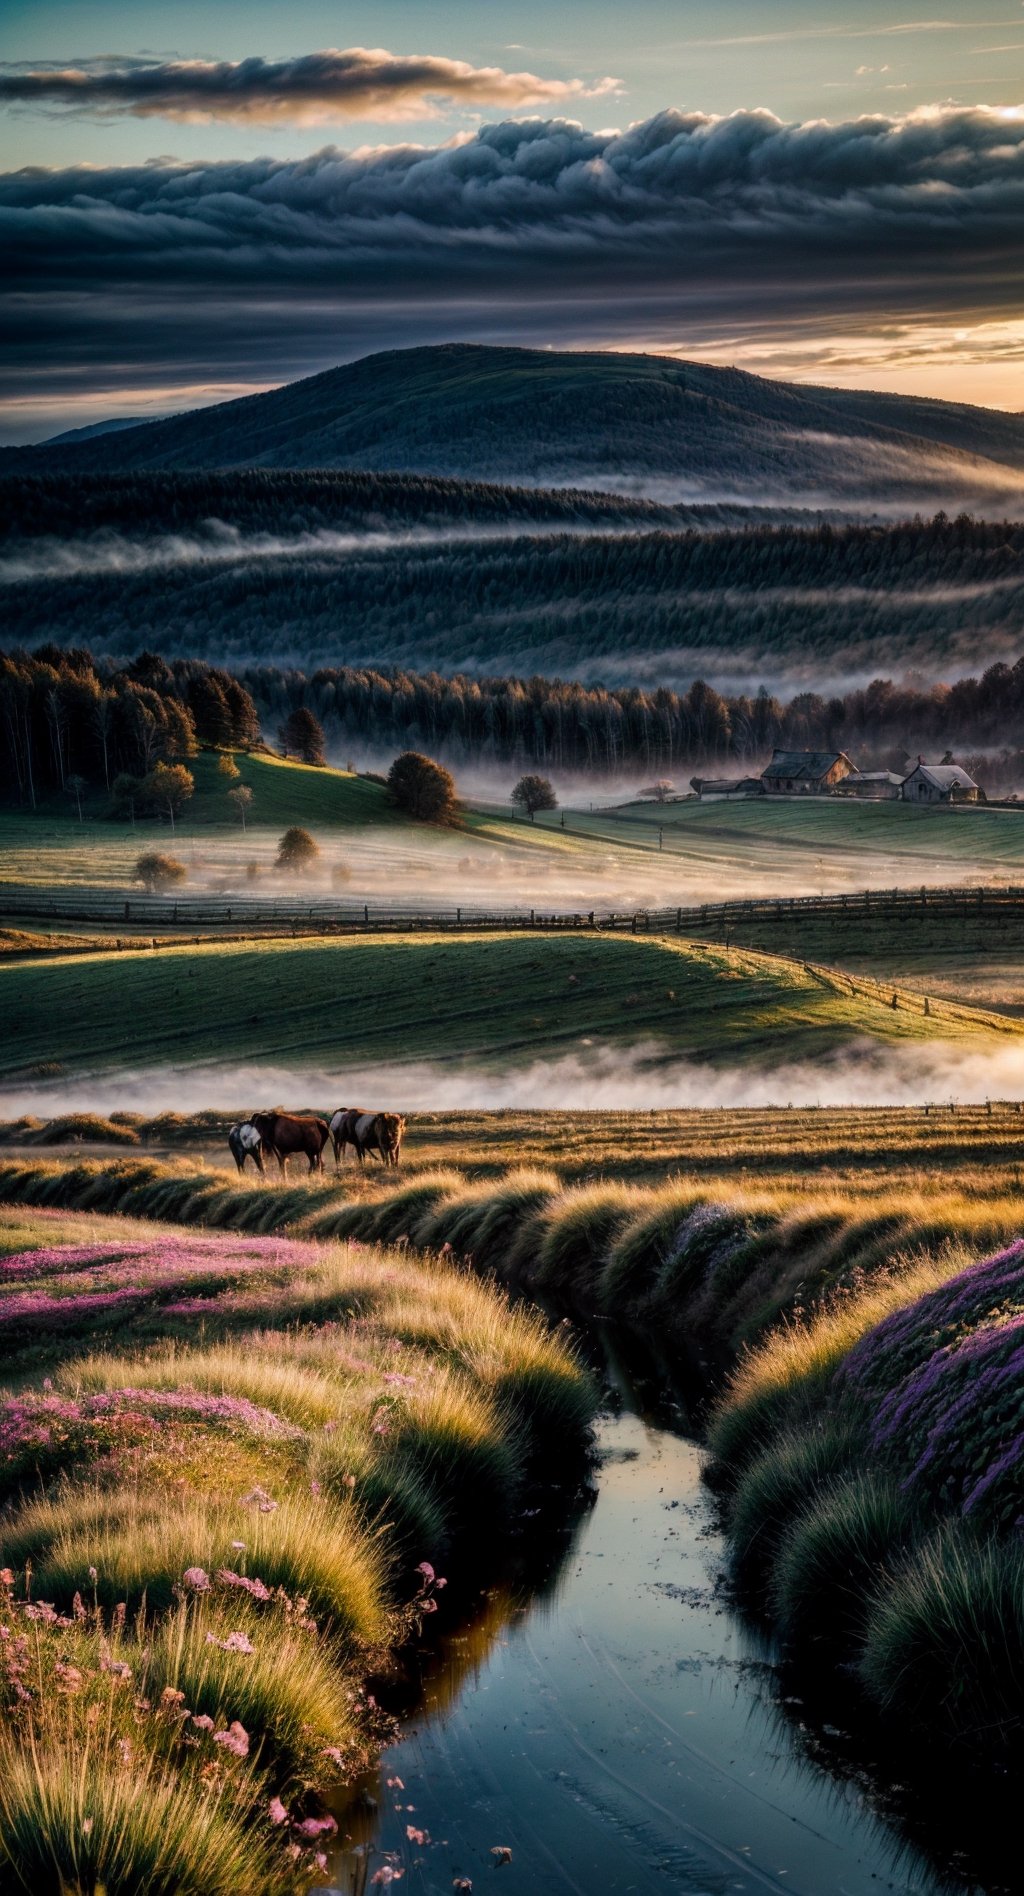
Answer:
(823, 844)
(639, 854)
(496, 997)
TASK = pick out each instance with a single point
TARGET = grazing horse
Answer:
(368, 1132)
(245, 1143)
(285, 1134)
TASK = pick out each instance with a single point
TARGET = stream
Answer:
(613, 1722)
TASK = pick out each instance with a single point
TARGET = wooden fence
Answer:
(116, 910)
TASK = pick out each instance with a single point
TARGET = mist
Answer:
(596, 1076)
(105, 553)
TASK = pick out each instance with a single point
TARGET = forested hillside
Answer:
(560, 416)
(267, 567)
(66, 716)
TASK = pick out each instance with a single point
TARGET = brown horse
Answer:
(283, 1135)
(368, 1132)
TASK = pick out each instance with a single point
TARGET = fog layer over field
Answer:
(640, 1078)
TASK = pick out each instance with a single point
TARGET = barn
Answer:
(939, 783)
(805, 773)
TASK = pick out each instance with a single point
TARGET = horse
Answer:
(245, 1143)
(368, 1132)
(285, 1134)
(340, 1130)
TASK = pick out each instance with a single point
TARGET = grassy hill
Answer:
(505, 997)
(527, 414)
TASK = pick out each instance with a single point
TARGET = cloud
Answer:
(680, 227)
(359, 82)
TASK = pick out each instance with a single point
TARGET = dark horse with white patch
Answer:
(245, 1143)
(285, 1135)
(367, 1132)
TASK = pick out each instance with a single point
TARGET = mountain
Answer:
(638, 423)
(93, 430)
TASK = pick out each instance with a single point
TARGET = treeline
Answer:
(70, 724)
(269, 500)
(564, 725)
(64, 715)
(610, 606)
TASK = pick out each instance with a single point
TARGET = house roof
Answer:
(722, 784)
(944, 776)
(803, 763)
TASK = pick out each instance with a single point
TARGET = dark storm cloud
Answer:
(359, 82)
(541, 230)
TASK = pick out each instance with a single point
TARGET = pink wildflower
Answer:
(6, 1577)
(276, 1811)
(426, 1570)
(235, 1642)
(501, 1854)
(416, 1836)
(202, 1721)
(336, 1755)
(313, 1827)
(235, 1739)
(395, 1784)
(257, 1589)
(197, 1578)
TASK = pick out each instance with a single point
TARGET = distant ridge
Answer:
(639, 423)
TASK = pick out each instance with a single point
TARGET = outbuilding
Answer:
(805, 773)
(709, 788)
(939, 783)
(871, 786)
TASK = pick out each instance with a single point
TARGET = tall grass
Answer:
(944, 1640)
(835, 1554)
(780, 1382)
(80, 1826)
(780, 1484)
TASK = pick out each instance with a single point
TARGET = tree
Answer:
(227, 767)
(659, 792)
(297, 851)
(75, 786)
(242, 798)
(422, 788)
(303, 734)
(533, 794)
(157, 872)
(168, 787)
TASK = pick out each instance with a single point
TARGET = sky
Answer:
(198, 202)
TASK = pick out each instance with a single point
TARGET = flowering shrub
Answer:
(944, 1379)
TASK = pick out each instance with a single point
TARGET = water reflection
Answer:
(607, 1717)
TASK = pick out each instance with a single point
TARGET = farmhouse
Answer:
(805, 773)
(939, 783)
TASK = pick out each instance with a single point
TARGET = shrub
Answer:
(297, 851)
(157, 872)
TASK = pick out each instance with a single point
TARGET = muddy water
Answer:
(618, 1727)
